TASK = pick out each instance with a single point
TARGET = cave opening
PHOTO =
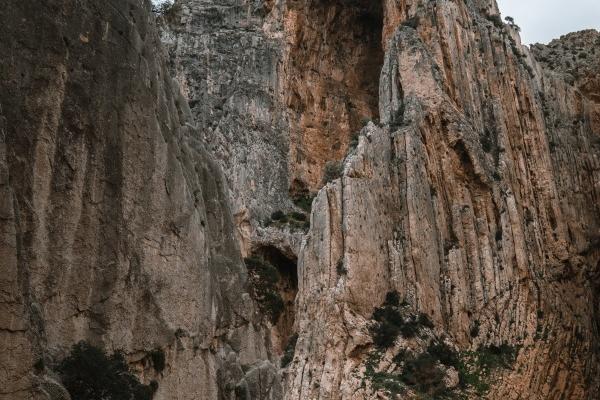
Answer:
(332, 76)
(282, 312)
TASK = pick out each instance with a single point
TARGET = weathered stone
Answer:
(115, 223)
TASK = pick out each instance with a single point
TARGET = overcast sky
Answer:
(544, 20)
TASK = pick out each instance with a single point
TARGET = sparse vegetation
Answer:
(442, 352)
(390, 322)
(304, 202)
(511, 22)
(341, 268)
(474, 332)
(39, 366)
(88, 373)
(158, 360)
(263, 287)
(496, 20)
(424, 373)
(294, 219)
(277, 216)
(290, 349)
(332, 171)
(475, 367)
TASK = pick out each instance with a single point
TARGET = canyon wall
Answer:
(476, 199)
(473, 192)
(455, 177)
(115, 223)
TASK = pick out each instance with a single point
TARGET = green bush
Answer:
(493, 357)
(304, 202)
(88, 373)
(278, 216)
(392, 299)
(388, 321)
(475, 367)
(443, 353)
(474, 332)
(391, 383)
(39, 366)
(158, 359)
(263, 279)
(424, 320)
(290, 350)
(410, 328)
(298, 216)
(332, 171)
(496, 20)
(424, 375)
(294, 219)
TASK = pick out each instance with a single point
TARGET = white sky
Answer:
(544, 20)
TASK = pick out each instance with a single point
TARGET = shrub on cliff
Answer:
(263, 279)
(388, 321)
(88, 373)
(424, 375)
(332, 171)
(290, 350)
(158, 360)
(496, 20)
(304, 201)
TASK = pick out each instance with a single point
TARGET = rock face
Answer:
(575, 55)
(476, 199)
(457, 252)
(115, 226)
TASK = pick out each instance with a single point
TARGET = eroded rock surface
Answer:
(467, 210)
(576, 55)
(115, 223)
(476, 199)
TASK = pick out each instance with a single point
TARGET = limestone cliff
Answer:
(476, 199)
(452, 249)
(473, 192)
(115, 226)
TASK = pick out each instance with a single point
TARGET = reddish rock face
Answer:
(330, 74)
(476, 200)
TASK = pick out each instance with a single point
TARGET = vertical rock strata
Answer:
(473, 191)
(114, 221)
(477, 199)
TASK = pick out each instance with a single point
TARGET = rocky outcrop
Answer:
(225, 56)
(115, 226)
(576, 57)
(476, 200)
(330, 74)
(473, 193)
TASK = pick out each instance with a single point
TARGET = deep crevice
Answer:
(286, 287)
(332, 79)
